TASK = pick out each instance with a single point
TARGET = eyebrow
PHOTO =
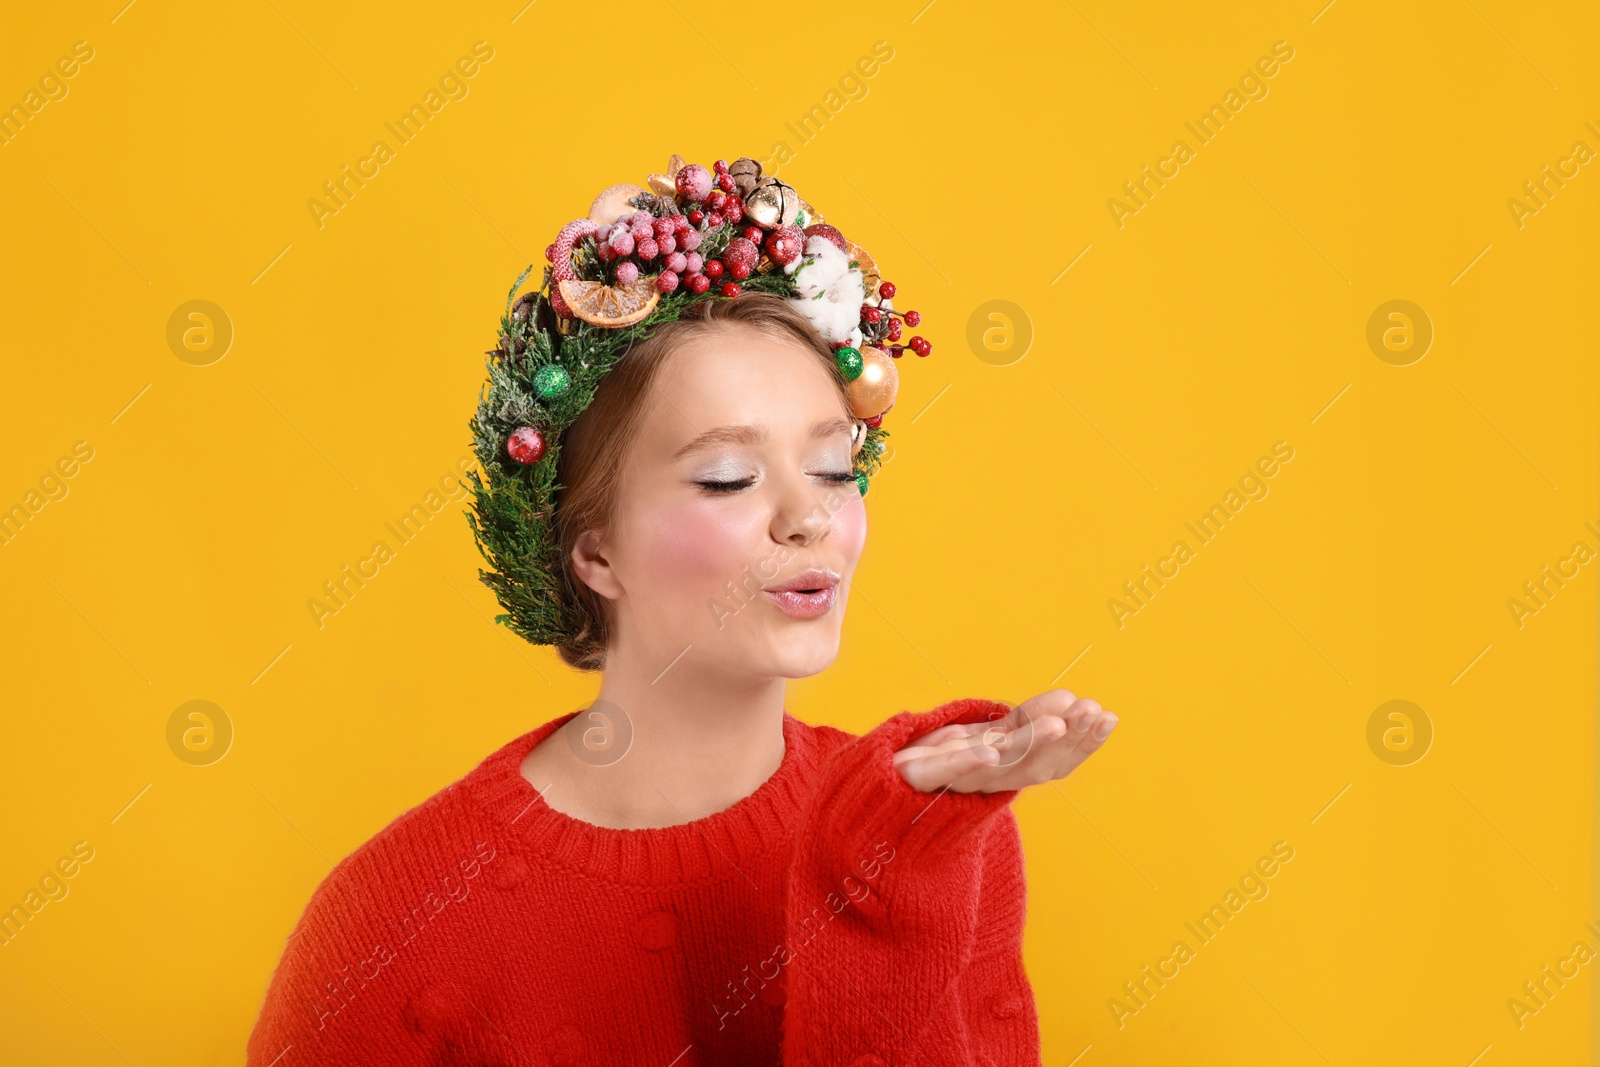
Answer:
(742, 434)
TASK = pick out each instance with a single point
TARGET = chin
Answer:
(801, 655)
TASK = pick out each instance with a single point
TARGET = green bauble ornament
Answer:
(849, 361)
(861, 482)
(551, 380)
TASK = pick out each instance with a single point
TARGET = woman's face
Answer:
(738, 483)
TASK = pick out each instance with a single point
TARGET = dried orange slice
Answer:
(869, 268)
(611, 305)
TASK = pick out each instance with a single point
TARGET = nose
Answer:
(800, 515)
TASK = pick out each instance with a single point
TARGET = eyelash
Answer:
(745, 483)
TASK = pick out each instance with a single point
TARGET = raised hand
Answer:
(1043, 738)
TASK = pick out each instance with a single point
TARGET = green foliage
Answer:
(869, 459)
(715, 241)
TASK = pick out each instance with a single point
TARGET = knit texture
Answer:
(835, 916)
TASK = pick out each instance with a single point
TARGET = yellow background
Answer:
(1229, 313)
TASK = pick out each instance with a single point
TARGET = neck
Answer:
(701, 740)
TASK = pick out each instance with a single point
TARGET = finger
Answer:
(945, 739)
(1050, 702)
(952, 731)
(1047, 760)
(1082, 744)
(1082, 713)
(1015, 745)
(931, 773)
(1018, 748)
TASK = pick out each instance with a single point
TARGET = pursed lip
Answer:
(814, 578)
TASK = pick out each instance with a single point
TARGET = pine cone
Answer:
(660, 206)
(522, 310)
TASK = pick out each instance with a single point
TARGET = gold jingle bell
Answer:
(772, 203)
(874, 389)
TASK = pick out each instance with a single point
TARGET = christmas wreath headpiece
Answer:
(640, 257)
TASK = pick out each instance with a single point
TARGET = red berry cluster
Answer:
(881, 324)
(642, 242)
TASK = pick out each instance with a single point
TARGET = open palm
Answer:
(1043, 738)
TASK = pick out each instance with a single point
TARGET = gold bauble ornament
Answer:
(875, 387)
(771, 203)
(612, 203)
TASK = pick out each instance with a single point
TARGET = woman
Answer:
(684, 873)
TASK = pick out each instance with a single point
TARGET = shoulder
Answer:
(425, 848)
(368, 906)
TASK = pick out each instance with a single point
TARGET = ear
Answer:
(592, 567)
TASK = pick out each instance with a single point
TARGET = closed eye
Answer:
(715, 486)
(726, 487)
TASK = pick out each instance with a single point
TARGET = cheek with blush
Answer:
(850, 528)
(696, 547)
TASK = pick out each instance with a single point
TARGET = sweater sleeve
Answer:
(904, 915)
(344, 990)
(316, 1009)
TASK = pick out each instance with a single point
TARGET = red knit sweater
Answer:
(836, 916)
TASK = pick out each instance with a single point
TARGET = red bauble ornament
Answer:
(822, 229)
(693, 182)
(740, 253)
(525, 445)
(785, 244)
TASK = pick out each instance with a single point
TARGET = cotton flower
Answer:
(830, 291)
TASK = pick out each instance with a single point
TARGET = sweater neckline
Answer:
(722, 845)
